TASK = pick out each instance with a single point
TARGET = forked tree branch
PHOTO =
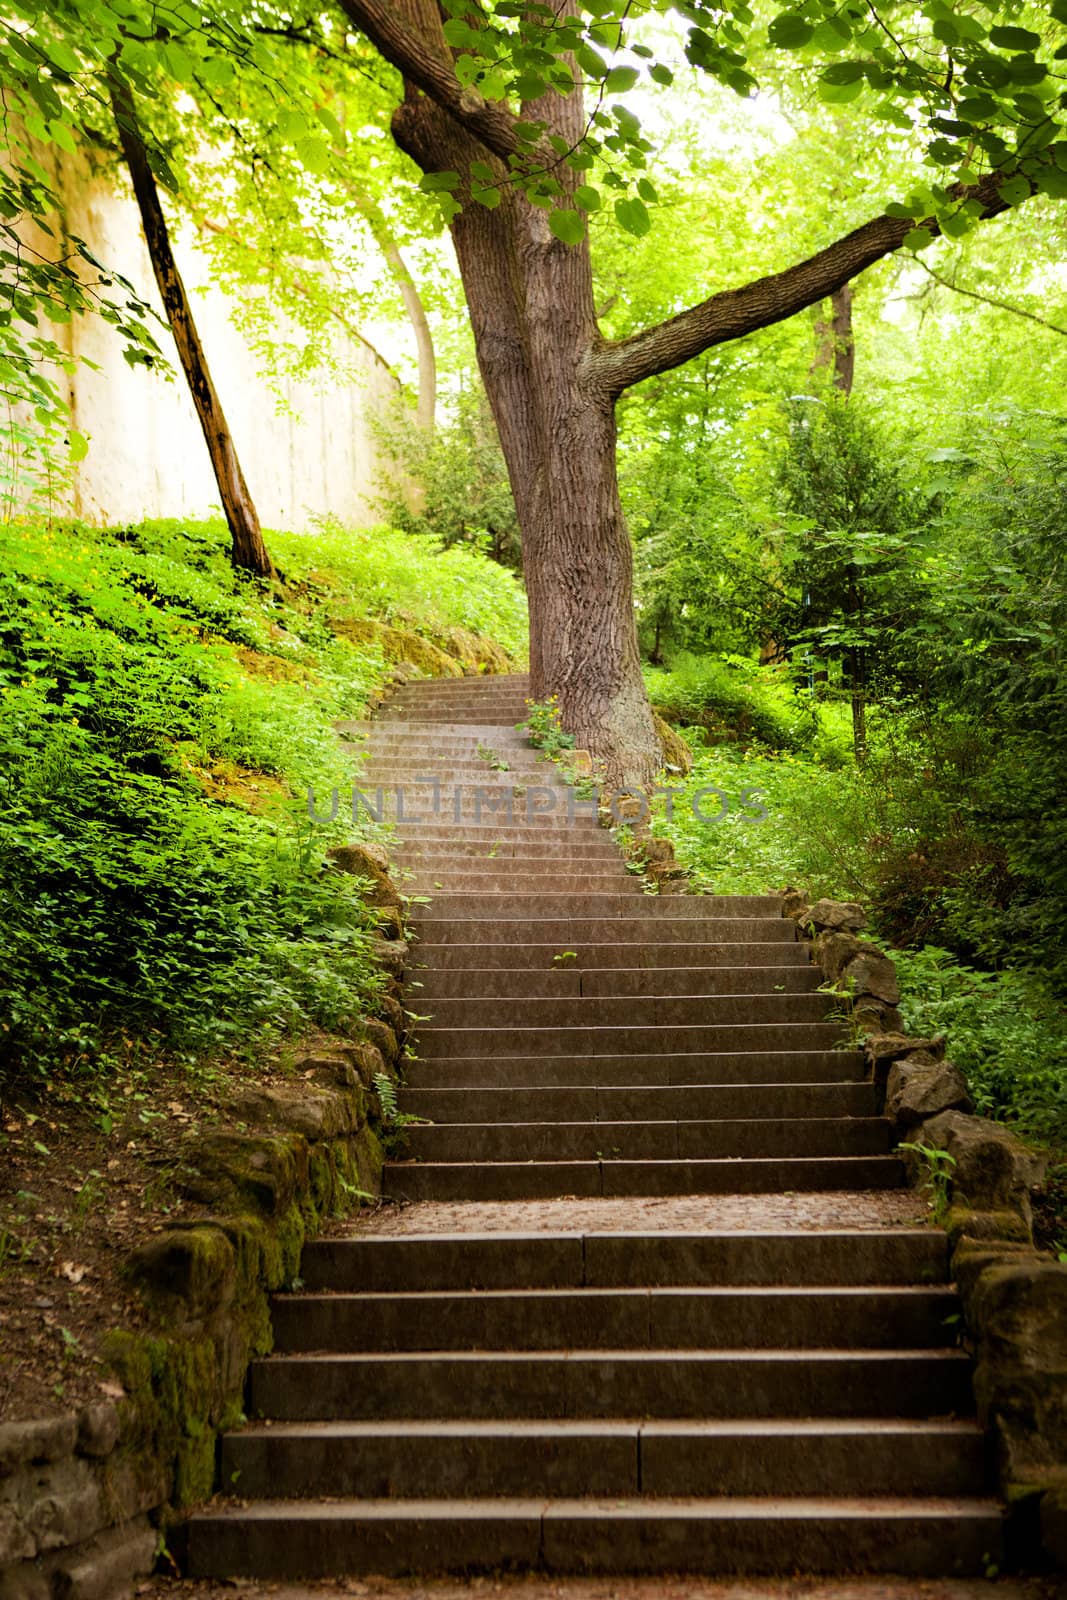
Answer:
(427, 64)
(735, 312)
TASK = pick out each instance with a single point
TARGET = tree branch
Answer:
(430, 69)
(989, 299)
(735, 312)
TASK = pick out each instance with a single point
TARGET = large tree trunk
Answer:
(552, 381)
(247, 547)
(531, 304)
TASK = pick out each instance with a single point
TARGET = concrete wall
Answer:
(147, 455)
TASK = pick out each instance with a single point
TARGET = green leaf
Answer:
(590, 63)
(661, 74)
(956, 225)
(1014, 38)
(460, 34)
(314, 155)
(331, 124)
(489, 197)
(633, 217)
(619, 79)
(789, 32)
(79, 445)
(568, 226)
(587, 197)
(646, 191)
(918, 239)
(839, 94)
(436, 182)
(842, 72)
(1014, 190)
(1052, 181)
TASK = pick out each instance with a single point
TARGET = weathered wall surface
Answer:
(147, 455)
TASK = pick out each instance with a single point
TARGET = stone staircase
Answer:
(473, 1388)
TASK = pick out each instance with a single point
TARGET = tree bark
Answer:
(248, 550)
(531, 305)
(835, 342)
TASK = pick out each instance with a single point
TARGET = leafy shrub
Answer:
(1006, 1032)
(733, 701)
(161, 721)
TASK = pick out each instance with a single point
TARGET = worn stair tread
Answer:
(726, 1507)
(607, 1427)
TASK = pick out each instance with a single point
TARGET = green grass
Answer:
(161, 721)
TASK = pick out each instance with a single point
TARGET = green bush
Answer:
(161, 721)
(732, 700)
(1006, 1032)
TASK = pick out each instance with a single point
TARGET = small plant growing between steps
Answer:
(936, 1177)
(487, 754)
(542, 728)
(561, 957)
(394, 1121)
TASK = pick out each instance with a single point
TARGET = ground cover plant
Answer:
(161, 722)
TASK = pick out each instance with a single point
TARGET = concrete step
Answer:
(438, 1044)
(379, 1263)
(280, 1539)
(457, 716)
(566, 932)
(547, 1180)
(547, 832)
(406, 1460)
(641, 1103)
(726, 1067)
(632, 1140)
(580, 955)
(627, 1011)
(443, 885)
(612, 1383)
(614, 1319)
(567, 980)
(529, 854)
(551, 903)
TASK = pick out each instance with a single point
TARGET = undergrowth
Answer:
(161, 721)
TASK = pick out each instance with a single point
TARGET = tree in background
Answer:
(248, 550)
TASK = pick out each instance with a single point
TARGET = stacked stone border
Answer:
(91, 1500)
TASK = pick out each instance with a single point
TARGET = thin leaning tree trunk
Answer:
(248, 550)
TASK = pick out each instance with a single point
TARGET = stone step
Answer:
(625, 1011)
(615, 1319)
(552, 1180)
(405, 1460)
(617, 955)
(466, 726)
(566, 979)
(409, 741)
(461, 716)
(632, 1140)
(528, 854)
(438, 1044)
(546, 832)
(380, 1263)
(691, 927)
(649, 1071)
(612, 1383)
(640, 1103)
(468, 775)
(443, 885)
(553, 904)
(285, 1539)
